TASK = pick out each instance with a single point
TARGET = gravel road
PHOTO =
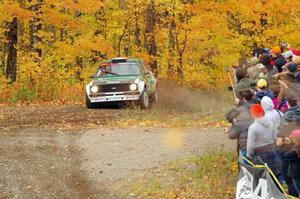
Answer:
(40, 163)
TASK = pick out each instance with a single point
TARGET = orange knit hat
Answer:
(275, 50)
(257, 111)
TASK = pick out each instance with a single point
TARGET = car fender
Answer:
(87, 88)
(141, 85)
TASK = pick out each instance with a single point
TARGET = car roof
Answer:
(127, 60)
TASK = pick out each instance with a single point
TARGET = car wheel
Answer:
(88, 103)
(144, 100)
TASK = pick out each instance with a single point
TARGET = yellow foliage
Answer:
(190, 42)
(10, 9)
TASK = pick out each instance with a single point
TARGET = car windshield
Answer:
(118, 69)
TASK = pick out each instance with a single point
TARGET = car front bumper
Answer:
(114, 97)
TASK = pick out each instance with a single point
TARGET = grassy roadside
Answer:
(211, 176)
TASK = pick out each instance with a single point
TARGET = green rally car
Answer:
(122, 79)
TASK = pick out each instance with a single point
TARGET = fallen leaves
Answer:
(211, 177)
(77, 117)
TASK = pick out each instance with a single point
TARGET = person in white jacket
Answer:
(260, 141)
(274, 116)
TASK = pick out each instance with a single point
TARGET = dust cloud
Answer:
(177, 98)
(183, 98)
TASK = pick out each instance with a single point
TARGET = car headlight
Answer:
(133, 87)
(94, 89)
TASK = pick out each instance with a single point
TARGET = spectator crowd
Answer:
(266, 117)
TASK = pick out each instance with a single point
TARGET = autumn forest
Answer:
(49, 48)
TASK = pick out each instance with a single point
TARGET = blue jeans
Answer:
(289, 182)
(243, 153)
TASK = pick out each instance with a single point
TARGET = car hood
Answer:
(115, 79)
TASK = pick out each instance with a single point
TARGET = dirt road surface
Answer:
(70, 152)
(39, 163)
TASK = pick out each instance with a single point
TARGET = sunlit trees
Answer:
(50, 46)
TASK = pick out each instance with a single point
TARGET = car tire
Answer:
(88, 103)
(144, 100)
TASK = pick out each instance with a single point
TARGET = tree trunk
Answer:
(12, 36)
(172, 26)
(122, 36)
(180, 51)
(21, 30)
(35, 25)
(180, 66)
(3, 55)
(79, 64)
(150, 35)
(137, 31)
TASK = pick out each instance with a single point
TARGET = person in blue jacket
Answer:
(262, 90)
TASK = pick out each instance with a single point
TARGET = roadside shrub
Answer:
(21, 95)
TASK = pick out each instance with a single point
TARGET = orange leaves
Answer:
(83, 46)
(10, 9)
(89, 6)
(89, 44)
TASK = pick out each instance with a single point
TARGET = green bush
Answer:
(22, 95)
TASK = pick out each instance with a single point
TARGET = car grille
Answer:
(113, 88)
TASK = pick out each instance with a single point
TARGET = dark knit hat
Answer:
(292, 67)
(257, 111)
(290, 116)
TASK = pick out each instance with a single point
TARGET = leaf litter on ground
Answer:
(212, 175)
